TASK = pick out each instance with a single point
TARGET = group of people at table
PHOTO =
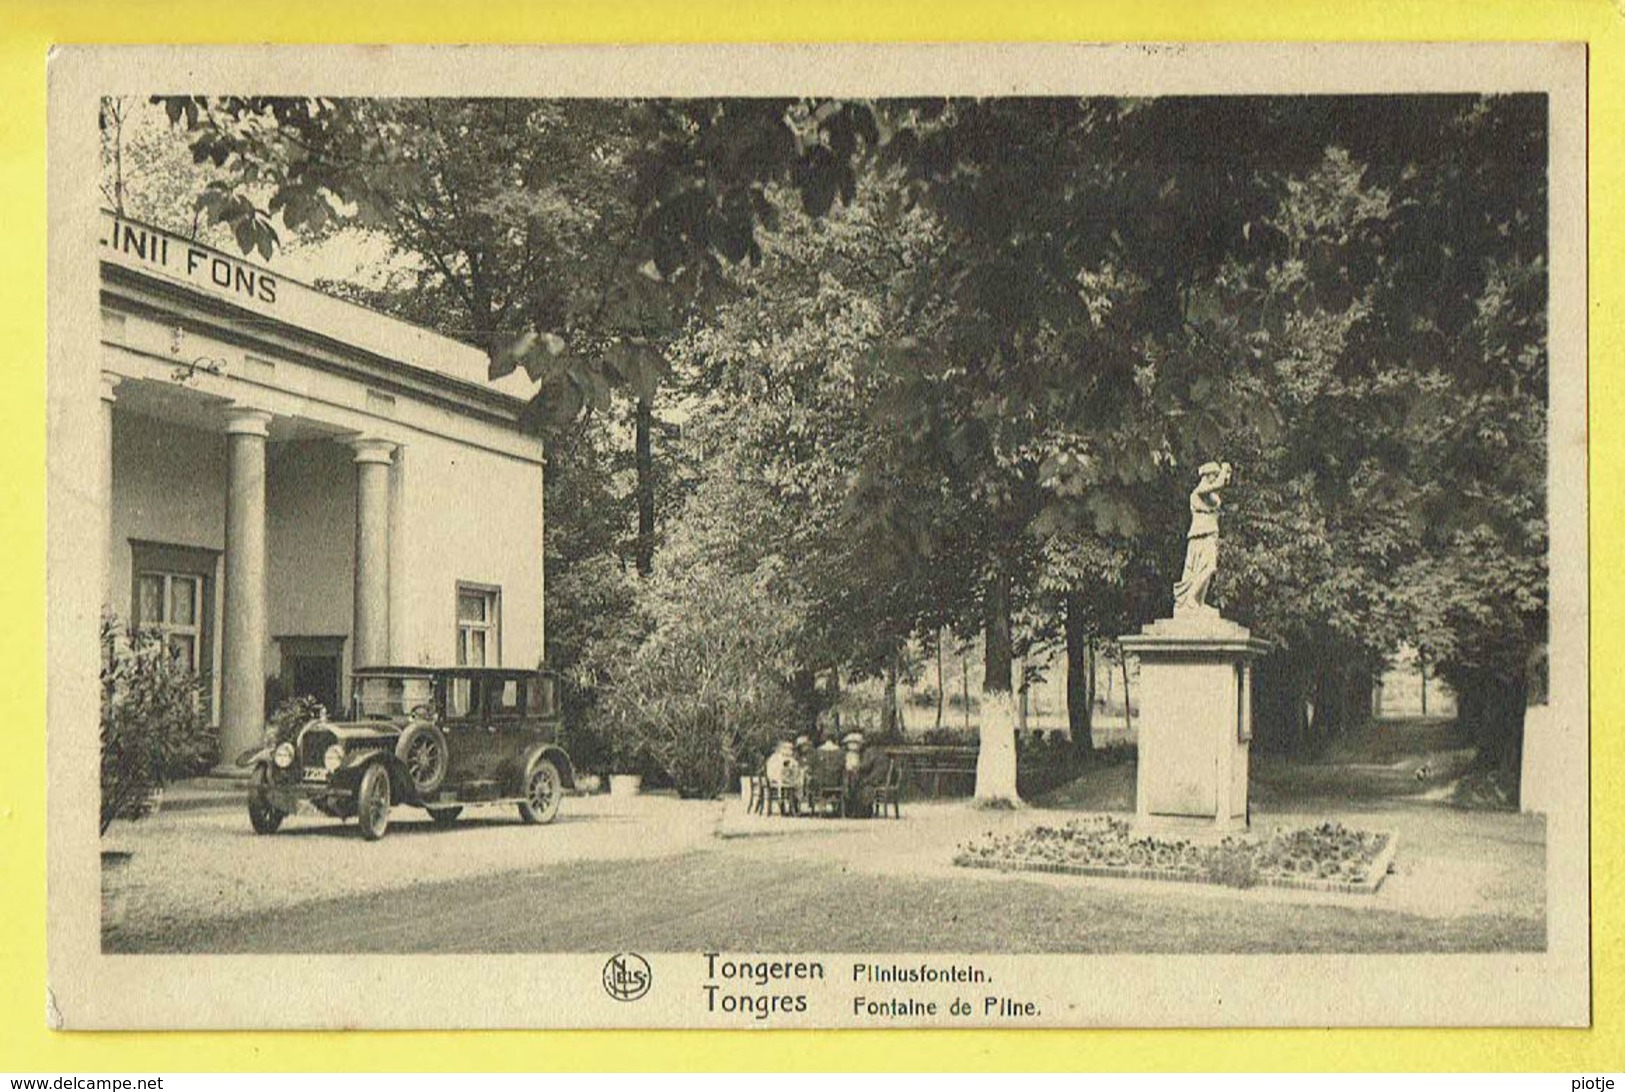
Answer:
(798, 778)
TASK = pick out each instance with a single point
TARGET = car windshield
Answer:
(391, 695)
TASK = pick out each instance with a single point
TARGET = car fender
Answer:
(554, 753)
(355, 764)
(254, 756)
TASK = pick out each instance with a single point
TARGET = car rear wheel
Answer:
(543, 789)
(264, 815)
(445, 816)
(422, 750)
(372, 802)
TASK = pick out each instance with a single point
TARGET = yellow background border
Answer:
(32, 27)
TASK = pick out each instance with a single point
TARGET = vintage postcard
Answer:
(818, 537)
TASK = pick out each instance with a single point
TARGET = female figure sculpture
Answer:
(1202, 543)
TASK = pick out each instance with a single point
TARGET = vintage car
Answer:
(436, 738)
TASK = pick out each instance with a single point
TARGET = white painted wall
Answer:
(310, 493)
(169, 486)
(472, 515)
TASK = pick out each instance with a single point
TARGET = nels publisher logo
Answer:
(627, 976)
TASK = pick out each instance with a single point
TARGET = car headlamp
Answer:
(332, 757)
(283, 755)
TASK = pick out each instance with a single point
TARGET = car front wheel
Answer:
(265, 816)
(422, 749)
(543, 790)
(372, 802)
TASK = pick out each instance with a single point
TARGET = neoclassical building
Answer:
(297, 486)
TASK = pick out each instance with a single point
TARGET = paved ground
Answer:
(670, 874)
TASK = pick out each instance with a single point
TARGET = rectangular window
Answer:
(479, 626)
(460, 699)
(174, 594)
(542, 699)
(168, 602)
(505, 698)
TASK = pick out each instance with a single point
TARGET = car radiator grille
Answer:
(314, 746)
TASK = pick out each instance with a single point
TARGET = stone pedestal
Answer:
(1195, 721)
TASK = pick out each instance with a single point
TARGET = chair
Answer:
(756, 804)
(826, 782)
(785, 792)
(890, 791)
(833, 798)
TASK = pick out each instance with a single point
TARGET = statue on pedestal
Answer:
(1202, 542)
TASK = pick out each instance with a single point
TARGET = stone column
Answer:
(401, 638)
(105, 484)
(372, 462)
(242, 690)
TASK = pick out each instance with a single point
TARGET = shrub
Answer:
(704, 691)
(290, 715)
(950, 737)
(153, 729)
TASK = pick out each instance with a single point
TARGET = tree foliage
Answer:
(698, 683)
(965, 353)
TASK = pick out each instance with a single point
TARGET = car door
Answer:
(510, 730)
(464, 724)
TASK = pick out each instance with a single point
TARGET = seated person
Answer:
(784, 774)
(865, 772)
(853, 744)
(826, 767)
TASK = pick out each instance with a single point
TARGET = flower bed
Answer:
(1329, 857)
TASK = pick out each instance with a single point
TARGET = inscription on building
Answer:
(178, 257)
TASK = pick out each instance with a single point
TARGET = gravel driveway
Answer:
(200, 880)
(188, 866)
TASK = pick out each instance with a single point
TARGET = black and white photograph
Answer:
(769, 537)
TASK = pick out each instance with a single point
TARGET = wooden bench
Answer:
(930, 764)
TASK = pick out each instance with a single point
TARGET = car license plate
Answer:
(315, 773)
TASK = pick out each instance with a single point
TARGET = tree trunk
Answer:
(804, 691)
(888, 701)
(1278, 701)
(1094, 696)
(1128, 706)
(1080, 671)
(1019, 674)
(1342, 692)
(644, 442)
(1326, 708)
(942, 692)
(996, 755)
(964, 683)
(1491, 707)
(835, 699)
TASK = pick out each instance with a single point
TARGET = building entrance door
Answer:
(317, 677)
(314, 667)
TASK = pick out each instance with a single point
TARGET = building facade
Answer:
(296, 486)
